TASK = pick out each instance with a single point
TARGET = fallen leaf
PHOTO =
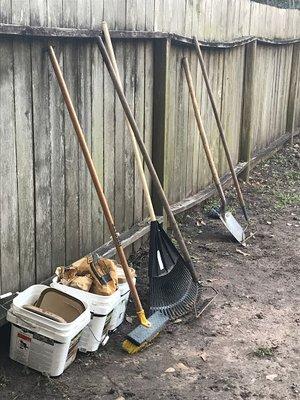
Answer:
(203, 355)
(289, 224)
(177, 321)
(242, 252)
(129, 319)
(170, 370)
(269, 222)
(182, 367)
(271, 377)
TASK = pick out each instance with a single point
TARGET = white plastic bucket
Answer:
(101, 308)
(39, 342)
(118, 314)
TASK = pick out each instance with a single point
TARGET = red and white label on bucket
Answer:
(23, 343)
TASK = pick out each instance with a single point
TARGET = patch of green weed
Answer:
(263, 352)
(286, 199)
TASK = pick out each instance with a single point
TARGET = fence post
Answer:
(246, 143)
(295, 76)
(160, 112)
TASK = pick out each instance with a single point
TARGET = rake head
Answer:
(174, 294)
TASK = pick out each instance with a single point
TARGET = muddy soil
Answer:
(245, 346)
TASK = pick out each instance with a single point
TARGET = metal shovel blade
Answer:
(233, 226)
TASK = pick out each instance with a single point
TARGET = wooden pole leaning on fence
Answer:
(293, 91)
(90, 164)
(136, 150)
(246, 144)
(147, 159)
(221, 129)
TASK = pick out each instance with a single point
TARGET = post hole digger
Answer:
(158, 320)
(174, 286)
(166, 266)
(225, 216)
(221, 130)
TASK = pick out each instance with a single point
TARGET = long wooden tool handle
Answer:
(138, 137)
(97, 184)
(139, 162)
(221, 129)
(202, 132)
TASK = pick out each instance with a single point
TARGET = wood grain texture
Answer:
(97, 106)
(9, 230)
(24, 149)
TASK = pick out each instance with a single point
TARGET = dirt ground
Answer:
(245, 346)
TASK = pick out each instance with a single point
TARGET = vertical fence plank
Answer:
(171, 126)
(232, 105)
(248, 101)
(161, 74)
(96, 13)
(42, 146)
(129, 56)
(191, 129)
(148, 112)
(42, 157)
(158, 15)
(119, 145)
(97, 143)
(57, 137)
(5, 11)
(291, 122)
(70, 70)
(139, 100)
(9, 230)
(197, 148)
(56, 116)
(97, 97)
(109, 145)
(84, 114)
(23, 145)
(38, 13)
(24, 148)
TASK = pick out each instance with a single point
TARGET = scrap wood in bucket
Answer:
(97, 276)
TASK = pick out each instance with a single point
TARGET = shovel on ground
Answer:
(221, 130)
(225, 216)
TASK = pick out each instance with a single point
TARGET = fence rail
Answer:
(49, 212)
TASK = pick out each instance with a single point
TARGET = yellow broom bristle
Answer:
(131, 348)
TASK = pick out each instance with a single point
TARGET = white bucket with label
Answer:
(101, 308)
(39, 342)
(118, 314)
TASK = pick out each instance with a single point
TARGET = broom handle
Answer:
(202, 133)
(139, 162)
(98, 187)
(221, 129)
(147, 159)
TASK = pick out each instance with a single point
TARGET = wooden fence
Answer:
(49, 212)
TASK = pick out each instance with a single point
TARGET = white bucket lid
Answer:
(29, 296)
